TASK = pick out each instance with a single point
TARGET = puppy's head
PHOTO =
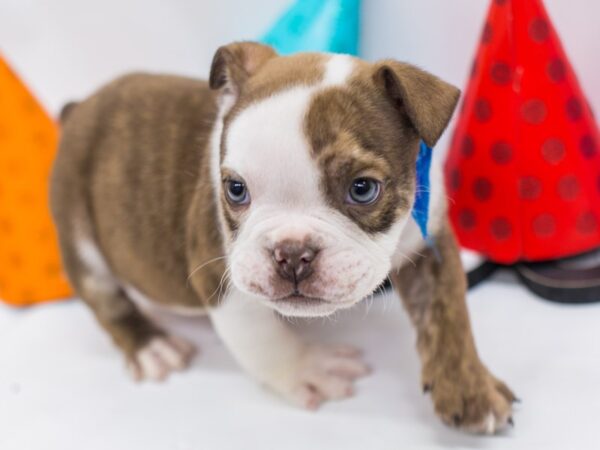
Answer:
(314, 162)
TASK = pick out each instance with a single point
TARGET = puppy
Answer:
(284, 184)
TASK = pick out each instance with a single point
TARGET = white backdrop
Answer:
(66, 48)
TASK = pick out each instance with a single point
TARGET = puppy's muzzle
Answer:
(294, 260)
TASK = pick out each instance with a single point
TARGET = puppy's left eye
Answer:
(364, 191)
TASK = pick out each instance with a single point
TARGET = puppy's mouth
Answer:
(300, 305)
(298, 299)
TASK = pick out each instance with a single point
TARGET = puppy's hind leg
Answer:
(150, 352)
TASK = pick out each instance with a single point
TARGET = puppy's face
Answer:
(314, 162)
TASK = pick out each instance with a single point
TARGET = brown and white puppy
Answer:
(283, 185)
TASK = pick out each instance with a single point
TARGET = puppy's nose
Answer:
(293, 260)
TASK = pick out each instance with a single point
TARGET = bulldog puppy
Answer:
(283, 185)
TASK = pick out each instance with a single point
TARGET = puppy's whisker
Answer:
(289, 319)
(406, 257)
(224, 289)
(369, 303)
(204, 264)
(226, 277)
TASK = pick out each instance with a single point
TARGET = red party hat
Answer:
(523, 171)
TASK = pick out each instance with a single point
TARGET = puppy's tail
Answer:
(66, 111)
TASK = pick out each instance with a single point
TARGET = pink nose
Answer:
(293, 260)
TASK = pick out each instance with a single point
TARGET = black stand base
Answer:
(570, 280)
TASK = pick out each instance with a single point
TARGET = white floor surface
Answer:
(63, 386)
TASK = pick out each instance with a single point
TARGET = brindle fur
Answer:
(129, 178)
(354, 133)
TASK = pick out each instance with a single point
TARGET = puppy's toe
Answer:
(325, 373)
(161, 356)
(346, 367)
(480, 404)
(331, 387)
(306, 396)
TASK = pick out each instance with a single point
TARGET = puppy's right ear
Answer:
(233, 64)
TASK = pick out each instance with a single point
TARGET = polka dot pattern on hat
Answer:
(526, 145)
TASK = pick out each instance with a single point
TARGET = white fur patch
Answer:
(411, 241)
(283, 147)
(162, 355)
(259, 341)
(99, 277)
(438, 202)
(489, 425)
(267, 146)
(337, 70)
(91, 256)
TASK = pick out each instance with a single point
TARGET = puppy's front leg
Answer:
(304, 374)
(464, 392)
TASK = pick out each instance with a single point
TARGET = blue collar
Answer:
(420, 211)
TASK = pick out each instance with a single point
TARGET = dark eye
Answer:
(237, 192)
(364, 191)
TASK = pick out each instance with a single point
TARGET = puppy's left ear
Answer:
(233, 64)
(425, 100)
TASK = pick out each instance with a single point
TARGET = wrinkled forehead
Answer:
(265, 140)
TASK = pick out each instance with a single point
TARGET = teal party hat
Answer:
(317, 25)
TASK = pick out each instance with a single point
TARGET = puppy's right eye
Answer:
(237, 193)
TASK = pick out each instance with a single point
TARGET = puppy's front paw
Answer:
(323, 373)
(473, 400)
(161, 356)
